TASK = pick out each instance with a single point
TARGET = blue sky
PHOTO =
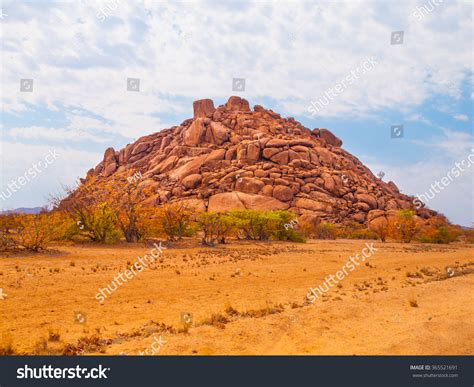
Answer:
(80, 54)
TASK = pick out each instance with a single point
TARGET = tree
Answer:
(7, 227)
(283, 226)
(176, 220)
(208, 224)
(263, 225)
(437, 229)
(252, 224)
(226, 226)
(35, 232)
(406, 226)
(88, 206)
(215, 227)
(98, 223)
(126, 198)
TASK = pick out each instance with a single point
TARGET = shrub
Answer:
(283, 226)
(326, 230)
(176, 220)
(263, 225)
(438, 230)
(294, 236)
(35, 232)
(363, 233)
(215, 227)
(441, 234)
(307, 225)
(252, 224)
(466, 236)
(406, 227)
(248, 224)
(98, 224)
(217, 320)
(7, 227)
(354, 230)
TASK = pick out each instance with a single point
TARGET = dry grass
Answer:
(86, 344)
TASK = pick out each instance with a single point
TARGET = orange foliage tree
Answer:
(406, 226)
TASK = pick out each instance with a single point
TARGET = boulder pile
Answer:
(233, 157)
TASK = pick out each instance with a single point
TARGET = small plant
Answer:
(53, 335)
(413, 303)
(7, 350)
(231, 311)
(216, 320)
(86, 344)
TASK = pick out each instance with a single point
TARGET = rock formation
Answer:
(234, 157)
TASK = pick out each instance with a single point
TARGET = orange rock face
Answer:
(232, 157)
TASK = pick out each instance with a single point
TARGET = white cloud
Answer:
(290, 52)
(461, 117)
(55, 134)
(419, 118)
(16, 158)
(451, 145)
(455, 200)
(80, 61)
(445, 151)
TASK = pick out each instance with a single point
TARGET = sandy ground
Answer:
(406, 299)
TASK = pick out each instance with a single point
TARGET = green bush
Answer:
(97, 224)
(294, 236)
(252, 224)
(283, 226)
(441, 235)
(215, 227)
(248, 224)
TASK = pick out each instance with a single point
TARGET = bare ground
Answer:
(245, 298)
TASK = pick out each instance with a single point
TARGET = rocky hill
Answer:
(233, 157)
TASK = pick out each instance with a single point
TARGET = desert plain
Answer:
(242, 298)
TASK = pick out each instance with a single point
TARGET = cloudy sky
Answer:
(79, 55)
